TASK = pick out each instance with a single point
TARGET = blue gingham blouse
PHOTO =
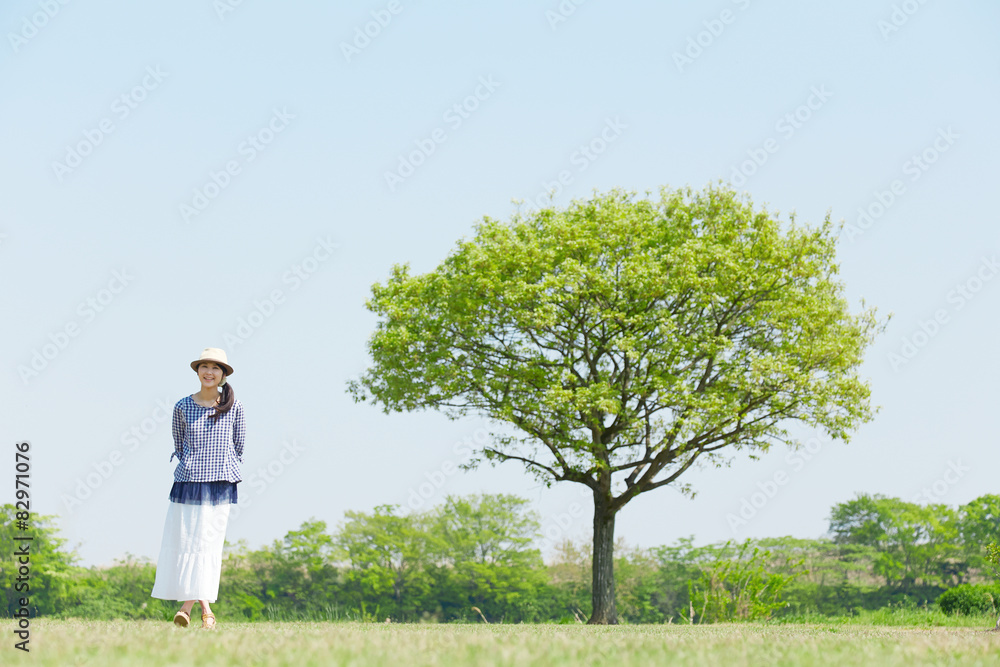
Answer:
(207, 450)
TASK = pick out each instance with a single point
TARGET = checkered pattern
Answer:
(207, 450)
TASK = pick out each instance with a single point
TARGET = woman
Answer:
(209, 431)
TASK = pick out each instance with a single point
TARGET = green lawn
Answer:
(75, 643)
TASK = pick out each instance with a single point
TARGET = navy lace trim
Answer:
(203, 493)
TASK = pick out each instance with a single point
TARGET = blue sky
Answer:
(199, 174)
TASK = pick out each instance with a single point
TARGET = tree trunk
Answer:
(603, 595)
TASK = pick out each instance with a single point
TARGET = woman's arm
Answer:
(239, 431)
(179, 427)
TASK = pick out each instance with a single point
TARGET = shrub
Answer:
(968, 599)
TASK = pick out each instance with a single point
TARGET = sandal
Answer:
(181, 619)
(208, 621)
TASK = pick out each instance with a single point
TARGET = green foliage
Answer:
(979, 521)
(388, 554)
(992, 557)
(53, 578)
(894, 615)
(478, 552)
(740, 586)
(625, 340)
(253, 580)
(626, 332)
(301, 574)
(842, 578)
(119, 591)
(969, 599)
(483, 545)
(641, 592)
(915, 544)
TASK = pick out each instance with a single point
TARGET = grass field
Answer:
(75, 643)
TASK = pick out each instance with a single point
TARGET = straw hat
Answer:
(216, 355)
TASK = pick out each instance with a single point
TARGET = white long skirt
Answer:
(190, 562)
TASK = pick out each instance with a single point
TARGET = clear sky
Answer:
(238, 174)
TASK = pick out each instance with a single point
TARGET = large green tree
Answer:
(51, 582)
(388, 556)
(979, 526)
(625, 339)
(914, 544)
(484, 545)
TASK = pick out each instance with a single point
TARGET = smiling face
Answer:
(210, 374)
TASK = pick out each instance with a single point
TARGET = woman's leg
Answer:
(207, 617)
(183, 616)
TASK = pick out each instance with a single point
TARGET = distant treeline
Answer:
(475, 557)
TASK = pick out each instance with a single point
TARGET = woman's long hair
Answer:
(225, 402)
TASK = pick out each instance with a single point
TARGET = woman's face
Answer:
(210, 374)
